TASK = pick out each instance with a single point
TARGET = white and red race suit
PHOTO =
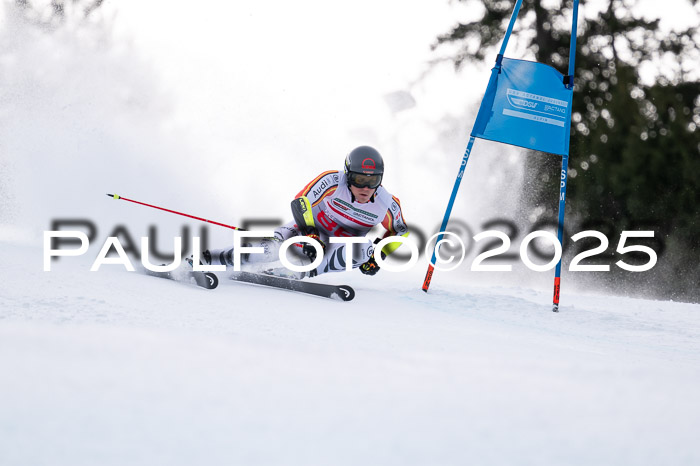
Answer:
(336, 213)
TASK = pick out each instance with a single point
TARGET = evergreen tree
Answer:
(54, 13)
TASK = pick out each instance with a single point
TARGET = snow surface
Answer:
(114, 367)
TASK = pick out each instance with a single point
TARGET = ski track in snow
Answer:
(115, 367)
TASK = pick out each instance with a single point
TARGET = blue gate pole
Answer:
(560, 229)
(565, 163)
(448, 212)
(465, 158)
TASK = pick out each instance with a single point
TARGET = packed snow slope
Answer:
(117, 368)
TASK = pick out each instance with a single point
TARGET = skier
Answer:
(337, 204)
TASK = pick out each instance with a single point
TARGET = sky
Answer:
(258, 87)
(314, 73)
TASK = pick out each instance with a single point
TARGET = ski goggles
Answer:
(360, 180)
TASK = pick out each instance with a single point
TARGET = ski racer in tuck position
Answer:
(346, 203)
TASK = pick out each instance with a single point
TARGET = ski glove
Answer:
(308, 248)
(370, 267)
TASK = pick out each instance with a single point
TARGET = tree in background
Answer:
(635, 144)
(55, 12)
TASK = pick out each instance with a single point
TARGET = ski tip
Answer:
(212, 279)
(206, 280)
(345, 293)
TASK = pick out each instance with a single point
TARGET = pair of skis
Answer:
(210, 281)
(301, 209)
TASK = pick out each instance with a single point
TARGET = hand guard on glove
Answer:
(370, 267)
(309, 249)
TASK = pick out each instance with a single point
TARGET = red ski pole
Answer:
(116, 196)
